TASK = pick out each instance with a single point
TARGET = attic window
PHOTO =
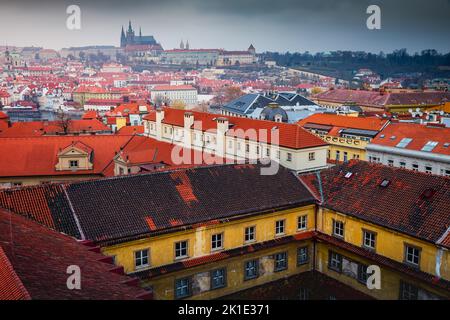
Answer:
(403, 143)
(382, 136)
(393, 137)
(348, 175)
(429, 146)
(446, 145)
(384, 183)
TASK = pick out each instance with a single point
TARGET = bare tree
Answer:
(63, 121)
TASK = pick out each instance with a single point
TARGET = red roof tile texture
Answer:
(39, 128)
(383, 99)
(11, 288)
(363, 123)
(420, 135)
(421, 201)
(38, 156)
(40, 258)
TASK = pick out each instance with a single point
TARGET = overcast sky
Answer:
(271, 25)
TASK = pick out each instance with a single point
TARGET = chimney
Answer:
(188, 120)
(159, 119)
(222, 125)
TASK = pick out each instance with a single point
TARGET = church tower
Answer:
(187, 45)
(123, 39)
(182, 44)
(130, 34)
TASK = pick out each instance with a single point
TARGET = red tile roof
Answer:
(39, 128)
(173, 88)
(290, 135)
(38, 260)
(420, 135)
(130, 130)
(383, 99)
(334, 120)
(156, 202)
(421, 201)
(11, 288)
(37, 156)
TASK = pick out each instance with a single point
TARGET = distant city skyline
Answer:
(287, 25)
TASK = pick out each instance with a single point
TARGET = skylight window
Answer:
(393, 137)
(382, 136)
(429, 146)
(404, 142)
(348, 175)
(384, 183)
(446, 145)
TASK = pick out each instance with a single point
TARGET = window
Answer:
(249, 234)
(312, 156)
(16, 184)
(428, 169)
(251, 269)
(369, 239)
(217, 241)
(278, 154)
(181, 249)
(338, 228)
(412, 255)
(356, 156)
(218, 278)
(408, 291)
(257, 150)
(415, 167)
(279, 227)
(403, 143)
(141, 258)
(345, 156)
(302, 255)
(247, 147)
(402, 164)
(429, 146)
(335, 261)
(390, 163)
(302, 222)
(182, 288)
(289, 157)
(73, 163)
(338, 155)
(362, 273)
(280, 261)
(267, 152)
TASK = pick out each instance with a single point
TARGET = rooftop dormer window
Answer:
(429, 146)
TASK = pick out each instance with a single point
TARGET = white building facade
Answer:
(220, 139)
(432, 163)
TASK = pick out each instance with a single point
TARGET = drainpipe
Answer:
(438, 262)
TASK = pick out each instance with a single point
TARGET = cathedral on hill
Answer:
(129, 38)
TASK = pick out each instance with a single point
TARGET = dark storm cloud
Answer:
(281, 25)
